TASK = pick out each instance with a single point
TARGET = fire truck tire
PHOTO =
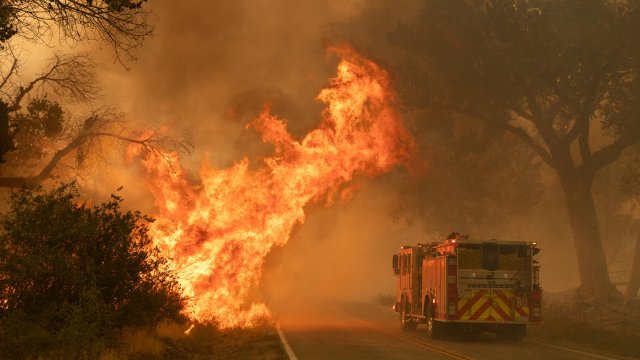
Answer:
(405, 320)
(435, 329)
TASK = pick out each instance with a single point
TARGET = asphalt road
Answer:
(370, 331)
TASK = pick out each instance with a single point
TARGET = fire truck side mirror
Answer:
(396, 268)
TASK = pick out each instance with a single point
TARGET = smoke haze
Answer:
(210, 68)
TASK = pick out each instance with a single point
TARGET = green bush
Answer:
(72, 276)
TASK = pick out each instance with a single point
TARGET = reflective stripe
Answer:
(502, 305)
(484, 312)
(465, 304)
(492, 305)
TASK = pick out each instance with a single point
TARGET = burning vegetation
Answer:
(526, 112)
(218, 231)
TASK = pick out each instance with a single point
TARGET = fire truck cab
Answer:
(468, 286)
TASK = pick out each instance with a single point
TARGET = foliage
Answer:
(72, 275)
(206, 340)
(7, 29)
(26, 136)
(37, 138)
(568, 59)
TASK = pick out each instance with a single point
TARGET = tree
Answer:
(562, 76)
(123, 24)
(35, 139)
(37, 134)
(70, 275)
(630, 181)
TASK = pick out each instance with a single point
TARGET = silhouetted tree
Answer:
(123, 24)
(37, 136)
(562, 76)
(36, 133)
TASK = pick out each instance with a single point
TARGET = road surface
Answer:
(370, 331)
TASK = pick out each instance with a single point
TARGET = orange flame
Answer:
(219, 232)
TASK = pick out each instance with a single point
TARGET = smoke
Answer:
(210, 68)
(208, 71)
(340, 253)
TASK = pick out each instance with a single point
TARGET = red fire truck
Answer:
(469, 286)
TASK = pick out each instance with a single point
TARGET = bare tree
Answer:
(123, 24)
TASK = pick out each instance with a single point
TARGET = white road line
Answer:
(285, 344)
(572, 350)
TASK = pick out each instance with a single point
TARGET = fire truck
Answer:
(469, 286)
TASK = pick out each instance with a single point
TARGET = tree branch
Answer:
(609, 153)
(122, 24)
(583, 142)
(517, 131)
(13, 68)
(524, 136)
(148, 144)
(583, 111)
(72, 74)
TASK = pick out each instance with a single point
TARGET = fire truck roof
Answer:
(466, 240)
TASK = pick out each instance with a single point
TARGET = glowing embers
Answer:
(219, 231)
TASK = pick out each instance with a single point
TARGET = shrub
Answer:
(72, 275)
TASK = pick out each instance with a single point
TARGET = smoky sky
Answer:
(211, 66)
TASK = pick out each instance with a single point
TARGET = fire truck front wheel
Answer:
(435, 329)
(406, 322)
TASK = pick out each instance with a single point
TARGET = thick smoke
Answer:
(208, 71)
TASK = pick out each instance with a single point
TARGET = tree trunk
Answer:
(592, 265)
(631, 291)
(5, 141)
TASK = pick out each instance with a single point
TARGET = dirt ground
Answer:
(203, 341)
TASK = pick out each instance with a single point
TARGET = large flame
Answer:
(219, 231)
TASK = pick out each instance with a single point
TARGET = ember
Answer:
(219, 231)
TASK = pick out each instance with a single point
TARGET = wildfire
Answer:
(219, 231)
